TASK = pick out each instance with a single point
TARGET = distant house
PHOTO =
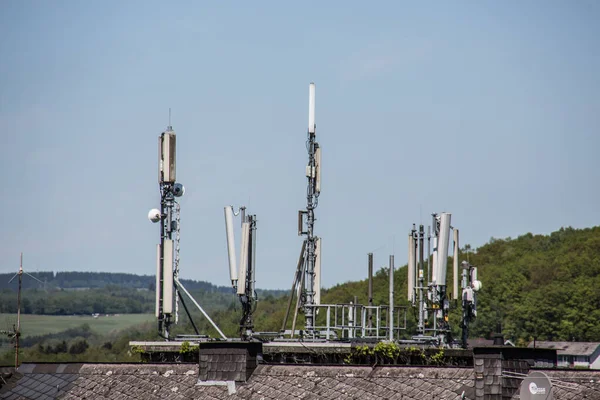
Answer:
(574, 354)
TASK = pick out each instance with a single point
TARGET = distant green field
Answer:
(35, 325)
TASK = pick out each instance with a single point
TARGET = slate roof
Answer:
(180, 382)
(569, 348)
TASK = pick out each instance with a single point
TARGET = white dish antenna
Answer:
(536, 386)
(154, 215)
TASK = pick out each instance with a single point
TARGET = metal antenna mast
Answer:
(16, 331)
(167, 272)
(312, 200)
(307, 283)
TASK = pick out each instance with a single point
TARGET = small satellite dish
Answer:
(536, 386)
(154, 215)
(178, 190)
(477, 286)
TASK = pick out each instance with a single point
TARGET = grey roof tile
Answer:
(153, 382)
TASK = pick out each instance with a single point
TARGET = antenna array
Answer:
(243, 278)
(307, 280)
(429, 292)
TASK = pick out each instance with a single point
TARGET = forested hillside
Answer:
(535, 286)
(67, 293)
(96, 280)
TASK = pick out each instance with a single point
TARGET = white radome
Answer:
(154, 215)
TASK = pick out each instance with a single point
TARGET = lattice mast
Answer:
(167, 252)
(312, 201)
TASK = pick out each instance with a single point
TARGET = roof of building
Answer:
(569, 348)
(180, 382)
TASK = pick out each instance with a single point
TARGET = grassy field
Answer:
(35, 325)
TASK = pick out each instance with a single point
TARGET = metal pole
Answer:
(370, 294)
(180, 286)
(428, 254)
(421, 326)
(391, 310)
(162, 259)
(18, 332)
(295, 283)
(310, 222)
(253, 259)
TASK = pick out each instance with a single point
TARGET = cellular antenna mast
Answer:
(308, 274)
(312, 201)
(243, 279)
(168, 286)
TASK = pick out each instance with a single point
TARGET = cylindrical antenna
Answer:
(410, 267)
(455, 265)
(231, 245)
(311, 108)
(442, 247)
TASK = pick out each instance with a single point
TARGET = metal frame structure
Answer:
(168, 285)
(306, 284)
(351, 321)
(429, 293)
(243, 279)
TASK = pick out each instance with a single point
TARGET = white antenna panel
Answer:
(318, 162)
(167, 157)
(455, 294)
(231, 245)
(311, 108)
(434, 246)
(317, 282)
(241, 287)
(168, 277)
(411, 269)
(442, 248)
(157, 288)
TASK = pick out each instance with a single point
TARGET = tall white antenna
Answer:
(231, 245)
(311, 108)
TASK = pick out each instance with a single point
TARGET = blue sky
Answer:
(489, 110)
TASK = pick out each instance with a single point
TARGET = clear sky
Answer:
(489, 110)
